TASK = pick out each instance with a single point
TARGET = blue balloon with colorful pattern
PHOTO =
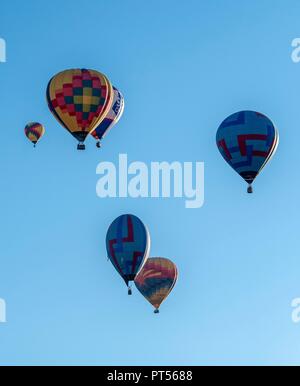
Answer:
(247, 140)
(128, 246)
(111, 119)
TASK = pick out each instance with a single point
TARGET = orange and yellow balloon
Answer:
(156, 280)
(80, 99)
(34, 132)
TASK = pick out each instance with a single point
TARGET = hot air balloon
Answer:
(111, 119)
(156, 280)
(128, 246)
(34, 132)
(247, 140)
(80, 100)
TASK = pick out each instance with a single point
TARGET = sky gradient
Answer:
(182, 67)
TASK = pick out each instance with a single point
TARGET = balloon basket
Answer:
(80, 146)
(98, 145)
(156, 311)
(250, 189)
(129, 291)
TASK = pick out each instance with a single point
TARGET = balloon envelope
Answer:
(34, 132)
(156, 279)
(128, 245)
(112, 117)
(79, 99)
(247, 140)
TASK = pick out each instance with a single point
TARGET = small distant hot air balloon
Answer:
(247, 140)
(156, 280)
(128, 246)
(80, 99)
(111, 119)
(34, 132)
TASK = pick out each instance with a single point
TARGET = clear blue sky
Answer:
(182, 67)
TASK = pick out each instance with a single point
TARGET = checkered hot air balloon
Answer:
(128, 246)
(112, 117)
(34, 132)
(80, 99)
(247, 140)
(156, 280)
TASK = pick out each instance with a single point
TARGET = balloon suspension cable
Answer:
(129, 290)
(250, 189)
(156, 311)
